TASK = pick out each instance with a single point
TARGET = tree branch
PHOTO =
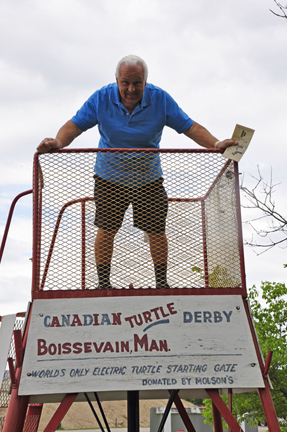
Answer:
(282, 10)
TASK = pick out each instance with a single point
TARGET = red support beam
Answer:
(223, 410)
(183, 414)
(61, 412)
(268, 408)
(217, 419)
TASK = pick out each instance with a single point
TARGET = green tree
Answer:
(270, 317)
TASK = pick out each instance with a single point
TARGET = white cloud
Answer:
(222, 61)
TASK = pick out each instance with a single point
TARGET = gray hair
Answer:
(132, 60)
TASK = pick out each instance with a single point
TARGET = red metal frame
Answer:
(61, 412)
(36, 285)
(33, 418)
(11, 211)
(18, 405)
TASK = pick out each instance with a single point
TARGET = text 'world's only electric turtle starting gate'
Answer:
(193, 338)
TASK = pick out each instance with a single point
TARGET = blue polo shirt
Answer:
(141, 129)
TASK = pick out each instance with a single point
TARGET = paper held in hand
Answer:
(243, 135)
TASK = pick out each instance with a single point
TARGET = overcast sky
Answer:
(224, 63)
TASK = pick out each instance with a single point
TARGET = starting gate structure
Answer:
(193, 338)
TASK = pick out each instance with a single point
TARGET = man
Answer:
(130, 113)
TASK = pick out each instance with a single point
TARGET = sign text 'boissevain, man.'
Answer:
(144, 321)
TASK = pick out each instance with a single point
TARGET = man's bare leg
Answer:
(159, 250)
(104, 245)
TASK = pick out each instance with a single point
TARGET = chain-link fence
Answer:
(144, 200)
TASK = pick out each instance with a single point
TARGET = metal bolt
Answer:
(253, 364)
(41, 315)
(237, 307)
(29, 374)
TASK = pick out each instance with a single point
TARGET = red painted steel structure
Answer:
(18, 406)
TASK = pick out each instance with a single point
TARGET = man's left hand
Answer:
(226, 143)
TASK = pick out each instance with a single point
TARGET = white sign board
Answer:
(139, 343)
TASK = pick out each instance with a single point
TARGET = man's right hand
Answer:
(48, 144)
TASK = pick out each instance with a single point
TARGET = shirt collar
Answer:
(115, 96)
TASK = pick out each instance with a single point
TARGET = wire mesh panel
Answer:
(143, 201)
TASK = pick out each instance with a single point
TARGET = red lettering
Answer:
(147, 316)
(52, 349)
(77, 348)
(129, 319)
(153, 346)
(76, 321)
(108, 347)
(155, 312)
(66, 348)
(55, 322)
(116, 318)
(98, 349)
(163, 345)
(87, 347)
(125, 346)
(42, 347)
(162, 312)
(142, 343)
(170, 307)
(96, 319)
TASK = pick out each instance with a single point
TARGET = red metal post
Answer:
(33, 418)
(223, 410)
(17, 408)
(204, 244)
(83, 277)
(240, 234)
(183, 414)
(61, 412)
(268, 408)
(217, 419)
(9, 220)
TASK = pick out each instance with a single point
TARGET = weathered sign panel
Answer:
(139, 343)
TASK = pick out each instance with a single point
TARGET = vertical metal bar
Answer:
(133, 411)
(221, 409)
(94, 412)
(102, 411)
(172, 397)
(204, 244)
(83, 281)
(217, 419)
(36, 227)
(240, 235)
(230, 405)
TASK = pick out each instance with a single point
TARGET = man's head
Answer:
(131, 76)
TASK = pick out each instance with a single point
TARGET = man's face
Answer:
(131, 84)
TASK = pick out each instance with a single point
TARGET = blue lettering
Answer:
(65, 320)
(105, 319)
(197, 317)
(46, 324)
(187, 317)
(228, 315)
(88, 320)
(217, 317)
(207, 316)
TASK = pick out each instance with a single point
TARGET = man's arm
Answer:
(68, 132)
(204, 138)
